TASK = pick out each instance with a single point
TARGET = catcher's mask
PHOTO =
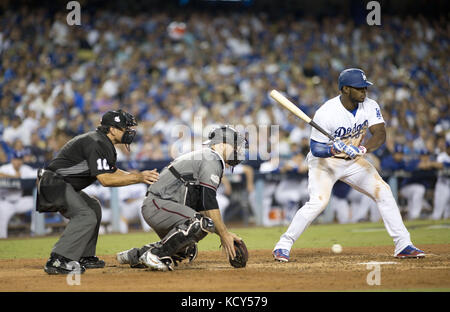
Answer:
(123, 121)
(229, 135)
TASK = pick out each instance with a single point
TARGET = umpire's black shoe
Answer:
(92, 262)
(58, 264)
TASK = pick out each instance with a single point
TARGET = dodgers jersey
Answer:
(335, 119)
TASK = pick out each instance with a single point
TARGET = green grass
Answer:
(360, 234)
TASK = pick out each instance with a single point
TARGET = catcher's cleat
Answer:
(122, 257)
(58, 264)
(131, 257)
(410, 252)
(281, 255)
(92, 262)
(156, 263)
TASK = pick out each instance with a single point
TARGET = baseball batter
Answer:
(347, 117)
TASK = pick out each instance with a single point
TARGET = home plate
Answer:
(376, 262)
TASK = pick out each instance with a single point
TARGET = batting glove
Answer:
(356, 151)
(337, 147)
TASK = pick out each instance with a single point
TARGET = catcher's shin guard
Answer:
(184, 235)
(190, 252)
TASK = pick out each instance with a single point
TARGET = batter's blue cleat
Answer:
(281, 255)
(410, 252)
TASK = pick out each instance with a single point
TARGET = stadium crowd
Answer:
(56, 80)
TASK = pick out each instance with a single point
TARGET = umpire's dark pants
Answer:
(79, 238)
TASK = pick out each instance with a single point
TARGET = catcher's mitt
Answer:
(241, 255)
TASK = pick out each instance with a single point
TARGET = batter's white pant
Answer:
(362, 176)
(414, 194)
(441, 199)
(9, 208)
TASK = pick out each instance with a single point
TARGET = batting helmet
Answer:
(353, 77)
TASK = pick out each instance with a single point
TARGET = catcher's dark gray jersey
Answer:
(204, 168)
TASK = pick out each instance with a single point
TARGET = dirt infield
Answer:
(310, 270)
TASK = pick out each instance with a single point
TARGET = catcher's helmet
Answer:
(353, 77)
(227, 134)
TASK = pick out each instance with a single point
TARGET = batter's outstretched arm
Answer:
(378, 137)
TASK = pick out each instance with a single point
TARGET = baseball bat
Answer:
(281, 99)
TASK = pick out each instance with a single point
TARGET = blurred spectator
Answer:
(219, 64)
(130, 203)
(11, 200)
(271, 215)
(223, 194)
(442, 188)
(4, 151)
(411, 187)
(37, 149)
(236, 196)
(293, 189)
(14, 130)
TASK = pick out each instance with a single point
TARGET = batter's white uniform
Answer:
(358, 172)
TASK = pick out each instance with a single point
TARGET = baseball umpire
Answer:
(182, 207)
(81, 161)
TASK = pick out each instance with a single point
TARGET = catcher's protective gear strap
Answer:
(187, 180)
(191, 231)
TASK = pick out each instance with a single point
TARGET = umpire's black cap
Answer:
(119, 119)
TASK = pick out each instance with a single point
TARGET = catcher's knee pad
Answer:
(188, 233)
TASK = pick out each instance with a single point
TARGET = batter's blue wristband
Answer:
(322, 150)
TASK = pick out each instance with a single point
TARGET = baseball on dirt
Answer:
(336, 248)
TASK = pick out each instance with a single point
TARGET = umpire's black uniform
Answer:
(60, 189)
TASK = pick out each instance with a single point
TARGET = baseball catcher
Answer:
(182, 207)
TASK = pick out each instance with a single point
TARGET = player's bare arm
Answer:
(378, 137)
(123, 178)
(226, 238)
